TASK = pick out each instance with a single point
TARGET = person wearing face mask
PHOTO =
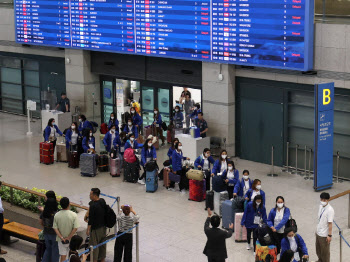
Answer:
(188, 106)
(197, 110)
(230, 177)
(277, 220)
(296, 243)
(89, 143)
(287, 256)
(178, 118)
(242, 187)
(324, 228)
(158, 125)
(172, 148)
(84, 125)
(254, 212)
(119, 142)
(51, 132)
(203, 163)
(109, 138)
(220, 165)
(136, 119)
(148, 153)
(72, 136)
(132, 143)
(131, 129)
(201, 124)
(254, 191)
(177, 159)
(113, 121)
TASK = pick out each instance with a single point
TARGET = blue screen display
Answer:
(267, 33)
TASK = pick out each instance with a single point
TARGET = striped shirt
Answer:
(126, 222)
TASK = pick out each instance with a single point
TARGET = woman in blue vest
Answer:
(113, 121)
(89, 143)
(131, 129)
(176, 162)
(178, 118)
(294, 242)
(109, 138)
(242, 187)
(220, 165)
(51, 131)
(254, 212)
(255, 190)
(148, 153)
(136, 118)
(277, 220)
(172, 148)
(132, 143)
(230, 177)
(84, 124)
(157, 122)
(203, 163)
(72, 136)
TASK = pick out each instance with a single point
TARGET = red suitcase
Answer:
(170, 136)
(46, 153)
(197, 190)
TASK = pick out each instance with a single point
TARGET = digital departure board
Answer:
(268, 33)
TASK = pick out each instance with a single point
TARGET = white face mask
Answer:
(280, 205)
(176, 110)
(149, 144)
(80, 120)
(129, 123)
(180, 147)
(112, 117)
(323, 203)
(230, 168)
(224, 156)
(73, 127)
(132, 112)
(258, 187)
(207, 155)
(90, 134)
(290, 238)
(113, 130)
(155, 112)
(257, 203)
(132, 138)
(245, 177)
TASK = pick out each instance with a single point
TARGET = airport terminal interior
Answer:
(265, 82)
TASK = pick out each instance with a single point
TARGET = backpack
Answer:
(164, 126)
(292, 223)
(264, 234)
(129, 156)
(110, 218)
(151, 166)
(94, 126)
(104, 128)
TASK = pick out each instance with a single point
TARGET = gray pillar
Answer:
(219, 102)
(81, 83)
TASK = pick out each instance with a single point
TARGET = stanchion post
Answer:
(340, 247)
(272, 174)
(349, 213)
(309, 171)
(337, 168)
(305, 155)
(296, 159)
(286, 167)
(137, 243)
(91, 253)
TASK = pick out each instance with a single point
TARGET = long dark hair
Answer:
(177, 145)
(145, 145)
(131, 108)
(257, 197)
(156, 109)
(83, 118)
(287, 256)
(115, 117)
(223, 151)
(76, 127)
(173, 143)
(50, 121)
(231, 163)
(277, 198)
(51, 206)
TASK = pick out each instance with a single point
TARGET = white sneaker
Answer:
(183, 191)
(172, 189)
(254, 254)
(140, 181)
(248, 246)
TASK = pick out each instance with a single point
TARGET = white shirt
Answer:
(206, 163)
(113, 136)
(53, 131)
(74, 138)
(246, 187)
(325, 216)
(278, 219)
(223, 166)
(254, 194)
(294, 247)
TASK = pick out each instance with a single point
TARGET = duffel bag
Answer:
(195, 174)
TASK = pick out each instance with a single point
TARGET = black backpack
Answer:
(110, 218)
(151, 166)
(164, 126)
(94, 126)
(264, 234)
(292, 223)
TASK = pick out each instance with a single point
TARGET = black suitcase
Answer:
(103, 163)
(131, 172)
(209, 199)
(73, 157)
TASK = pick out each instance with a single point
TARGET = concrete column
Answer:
(81, 84)
(219, 102)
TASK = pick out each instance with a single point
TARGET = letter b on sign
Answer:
(326, 96)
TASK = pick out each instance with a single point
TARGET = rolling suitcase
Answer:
(240, 232)
(218, 184)
(115, 166)
(88, 165)
(46, 151)
(170, 134)
(131, 172)
(237, 206)
(197, 190)
(265, 253)
(152, 181)
(228, 216)
(73, 158)
(166, 181)
(219, 198)
(209, 198)
(147, 130)
(102, 146)
(61, 152)
(103, 163)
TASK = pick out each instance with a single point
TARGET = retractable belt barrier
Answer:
(341, 243)
(116, 199)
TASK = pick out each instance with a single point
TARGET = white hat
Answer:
(154, 138)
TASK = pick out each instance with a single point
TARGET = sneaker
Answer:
(140, 181)
(254, 254)
(172, 189)
(248, 246)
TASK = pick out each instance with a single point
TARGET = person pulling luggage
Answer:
(295, 243)
(148, 153)
(132, 143)
(242, 187)
(51, 132)
(109, 138)
(254, 191)
(89, 143)
(203, 163)
(72, 136)
(176, 162)
(220, 165)
(172, 148)
(231, 177)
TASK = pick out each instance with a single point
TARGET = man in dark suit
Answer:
(215, 248)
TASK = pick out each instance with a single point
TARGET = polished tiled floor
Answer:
(171, 227)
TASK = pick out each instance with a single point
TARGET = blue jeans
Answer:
(51, 252)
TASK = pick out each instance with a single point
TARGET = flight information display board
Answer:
(268, 33)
